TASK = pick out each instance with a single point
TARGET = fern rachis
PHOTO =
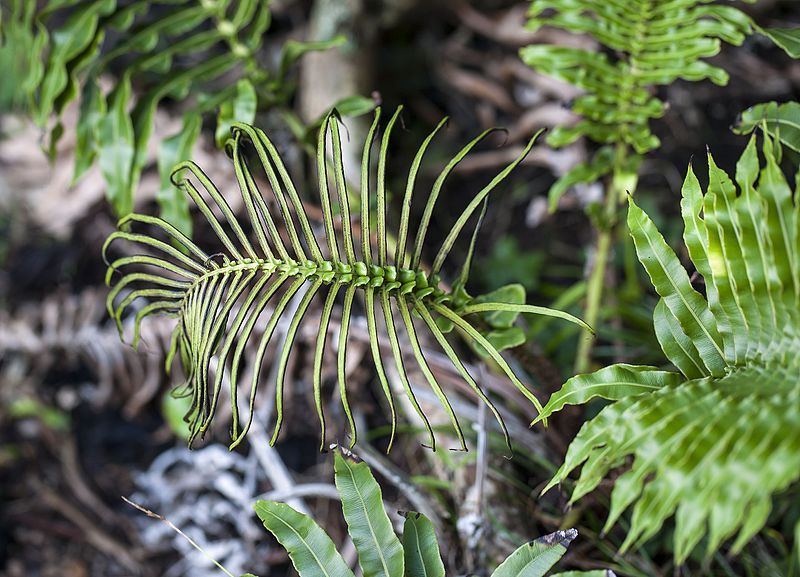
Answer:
(204, 291)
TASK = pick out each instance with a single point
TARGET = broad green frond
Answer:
(421, 548)
(233, 300)
(644, 44)
(536, 558)
(174, 49)
(311, 550)
(786, 38)
(654, 42)
(712, 443)
(380, 552)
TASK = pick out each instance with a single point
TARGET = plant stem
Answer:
(593, 294)
(623, 181)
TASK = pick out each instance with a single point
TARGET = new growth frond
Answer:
(275, 259)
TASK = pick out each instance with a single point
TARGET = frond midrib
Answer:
(389, 278)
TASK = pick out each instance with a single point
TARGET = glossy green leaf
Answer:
(611, 383)
(116, 148)
(293, 50)
(536, 558)
(501, 319)
(709, 447)
(420, 547)
(174, 409)
(174, 149)
(671, 282)
(676, 344)
(781, 121)
(354, 105)
(502, 339)
(786, 38)
(92, 112)
(312, 552)
(241, 108)
(379, 551)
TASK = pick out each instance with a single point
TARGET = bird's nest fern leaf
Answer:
(712, 443)
(220, 298)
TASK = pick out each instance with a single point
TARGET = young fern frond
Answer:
(711, 443)
(220, 298)
(649, 43)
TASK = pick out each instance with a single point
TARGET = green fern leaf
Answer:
(786, 38)
(780, 121)
(380, 553)
(379, 550)
(179, 49)
(644, 44)
(312, 552)
(535, 559)
(420, 547)
(655, 42)
(713, 443)
(220, 297)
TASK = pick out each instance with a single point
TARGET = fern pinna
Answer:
(713, 442)
(218, 298)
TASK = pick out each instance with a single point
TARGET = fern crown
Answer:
(713, 442)
(220, 298)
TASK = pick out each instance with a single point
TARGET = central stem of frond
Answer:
(388, 278)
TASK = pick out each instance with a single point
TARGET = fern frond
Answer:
(220, 298)
(712, 443)
(174, 49)
(644, 44)
(780, 120)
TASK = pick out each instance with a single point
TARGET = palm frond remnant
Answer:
(219, 298)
